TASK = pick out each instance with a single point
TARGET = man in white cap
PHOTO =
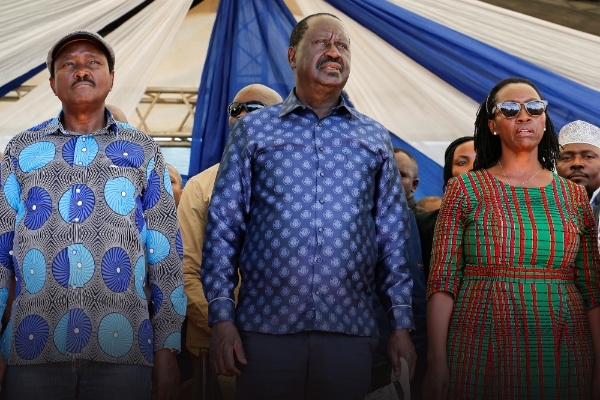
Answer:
(85, 205)
(579, 158)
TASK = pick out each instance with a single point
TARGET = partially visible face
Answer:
(322, 58)
(81, 74)
(523, 132)
(408, 173)
(580, 162)
(464, 157)
(175, 184)
(254, 93)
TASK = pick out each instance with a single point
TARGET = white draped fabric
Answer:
(139, 44)
(565, 51)
(29, 28)
(407, 99)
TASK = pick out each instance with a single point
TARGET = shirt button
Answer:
(80, 162)
(322, 148)
(76, 219)
(84, 150)
(79, 203)
(320, 229)
(76, 330)
(77, 190)
(125, 154)
(321, 201)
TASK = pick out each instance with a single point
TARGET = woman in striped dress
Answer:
(514, 283)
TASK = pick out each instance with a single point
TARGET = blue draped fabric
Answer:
(467, 64)
(248, 44)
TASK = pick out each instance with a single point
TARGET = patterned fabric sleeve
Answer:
(393, 279)
(587, 262)
(226, 227)
(10, 204)
(447, 253)
(164, 254)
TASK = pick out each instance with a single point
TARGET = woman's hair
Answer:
(488, 147)
(449, 157)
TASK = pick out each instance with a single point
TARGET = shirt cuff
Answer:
(221, 309)
(401, 317)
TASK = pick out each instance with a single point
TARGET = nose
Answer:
(81, 70)
(332, 50)
(577, 162)
(242, 113)
(523, 115)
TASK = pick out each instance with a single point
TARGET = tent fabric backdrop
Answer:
(29, 28)
(565, 51)
(248, 44)
(467, 64)
(138, 44)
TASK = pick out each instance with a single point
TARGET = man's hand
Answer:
(225, 348)
(400, 346)
(165, 375)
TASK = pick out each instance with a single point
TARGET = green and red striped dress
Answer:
(523, 266)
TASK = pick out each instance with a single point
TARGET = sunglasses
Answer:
(511, 109)
(236, 108)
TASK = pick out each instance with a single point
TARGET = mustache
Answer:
(84, 79)
(328, 59)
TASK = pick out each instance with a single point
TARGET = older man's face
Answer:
(580, 162)
(81, 74)
(322, 58)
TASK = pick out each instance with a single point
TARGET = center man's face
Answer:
(322, 57)
(81, 74)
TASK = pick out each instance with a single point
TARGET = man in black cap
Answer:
(85, 205)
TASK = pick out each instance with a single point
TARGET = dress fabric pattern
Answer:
(523, 266)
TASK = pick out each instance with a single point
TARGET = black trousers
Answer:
(305, 366)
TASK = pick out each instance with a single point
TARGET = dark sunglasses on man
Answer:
(236, 108)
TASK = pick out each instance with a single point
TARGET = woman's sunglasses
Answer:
(511, 109)
(236, 108)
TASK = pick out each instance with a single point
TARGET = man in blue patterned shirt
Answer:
(85, 205)
(309, 207)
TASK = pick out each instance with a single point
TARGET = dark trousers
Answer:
(305, 366)
(81, 379)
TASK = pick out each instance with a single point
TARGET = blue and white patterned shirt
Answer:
(313, 214)
(82, 217)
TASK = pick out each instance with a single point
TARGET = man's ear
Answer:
(415, 184)
(112, 79)
(52, 85)
(291, 55)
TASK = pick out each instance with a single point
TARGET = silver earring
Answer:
(495, 133)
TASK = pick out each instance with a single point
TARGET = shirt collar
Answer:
(55, 124)
(291, 103)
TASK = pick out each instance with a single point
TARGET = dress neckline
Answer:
(551, 184)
